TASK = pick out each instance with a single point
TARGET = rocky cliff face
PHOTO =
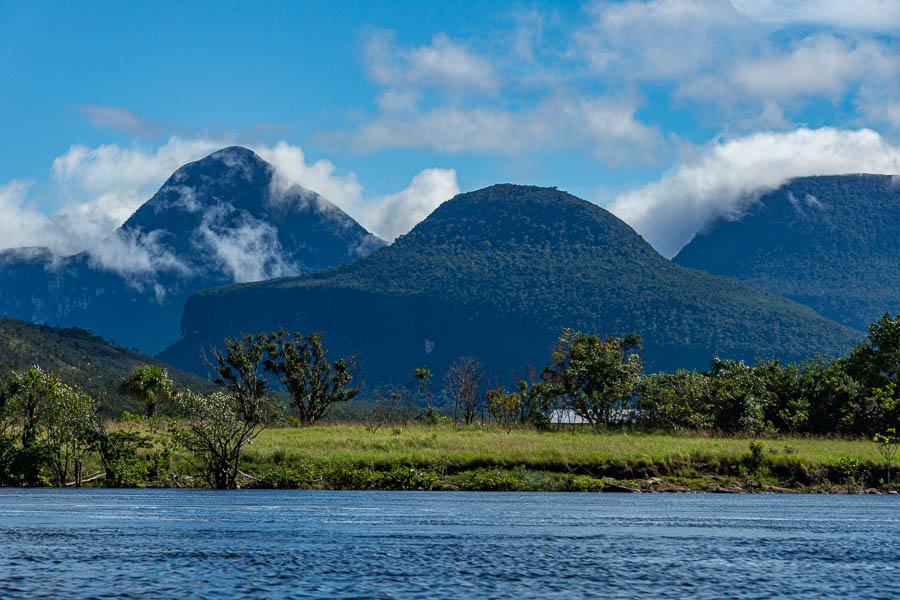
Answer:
(226, 218)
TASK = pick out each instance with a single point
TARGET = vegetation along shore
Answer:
(287, 416)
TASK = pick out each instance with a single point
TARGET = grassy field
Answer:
(475, 446)
(449, 457)
(487, 458)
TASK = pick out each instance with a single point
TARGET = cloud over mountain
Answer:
(728, 176)
(93, 191)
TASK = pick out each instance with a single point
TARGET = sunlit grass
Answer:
(459, 447)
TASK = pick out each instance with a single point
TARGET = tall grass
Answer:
(460, 447)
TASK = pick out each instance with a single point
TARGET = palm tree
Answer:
(150, 385)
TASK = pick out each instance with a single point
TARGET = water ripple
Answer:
(106, 544)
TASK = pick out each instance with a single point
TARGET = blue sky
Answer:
(668, 112)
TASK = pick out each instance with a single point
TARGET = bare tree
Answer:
(388, 409)
(463, 381)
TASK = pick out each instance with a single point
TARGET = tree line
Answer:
(48, 427)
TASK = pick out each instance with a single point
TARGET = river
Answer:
(98, 543)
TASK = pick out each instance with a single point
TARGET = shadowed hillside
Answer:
(81, 359)
(496, 273)
(832, 243)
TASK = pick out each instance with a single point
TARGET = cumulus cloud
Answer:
(443, 64)
(661, 39)
(607, 127)
(816, 66)
(740, 65)
(21, 225)
(396, 214)
(730, 175)
(320, 177)
(385, 216)
(747, 64)
(103, 186)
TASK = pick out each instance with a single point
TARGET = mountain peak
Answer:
(229, 209)
(232, 151)
(224, 218)
(514, 215)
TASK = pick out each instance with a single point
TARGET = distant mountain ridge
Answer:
(227, 217)
(496, 273)
(829, 242)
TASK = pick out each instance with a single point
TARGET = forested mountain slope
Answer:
(81, 359)
(496, 273)
(831, 243)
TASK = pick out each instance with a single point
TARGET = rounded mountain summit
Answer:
(496, 273)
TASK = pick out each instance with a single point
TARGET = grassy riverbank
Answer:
(487, 458)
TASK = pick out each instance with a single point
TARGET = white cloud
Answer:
(661, 39)
(396, 214)
(103, 186)
(730, 175)
(820, 65)
(21, 225)
(737, 65)
(875, 15)
(320, 177)
(249, 252)
(136, 256)
(607, 127)
(743, 63)
(385, 216)
(69, 231)
(442, 64)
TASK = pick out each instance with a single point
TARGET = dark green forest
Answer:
(828, 242)
(81, 359)
(499, 272)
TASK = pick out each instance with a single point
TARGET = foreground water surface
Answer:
(96, 543)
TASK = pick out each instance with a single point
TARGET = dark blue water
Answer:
(281, 544)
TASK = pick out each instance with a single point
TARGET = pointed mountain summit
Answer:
(229, 217)
(831, 243)
(231, 212)
(496, 273)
